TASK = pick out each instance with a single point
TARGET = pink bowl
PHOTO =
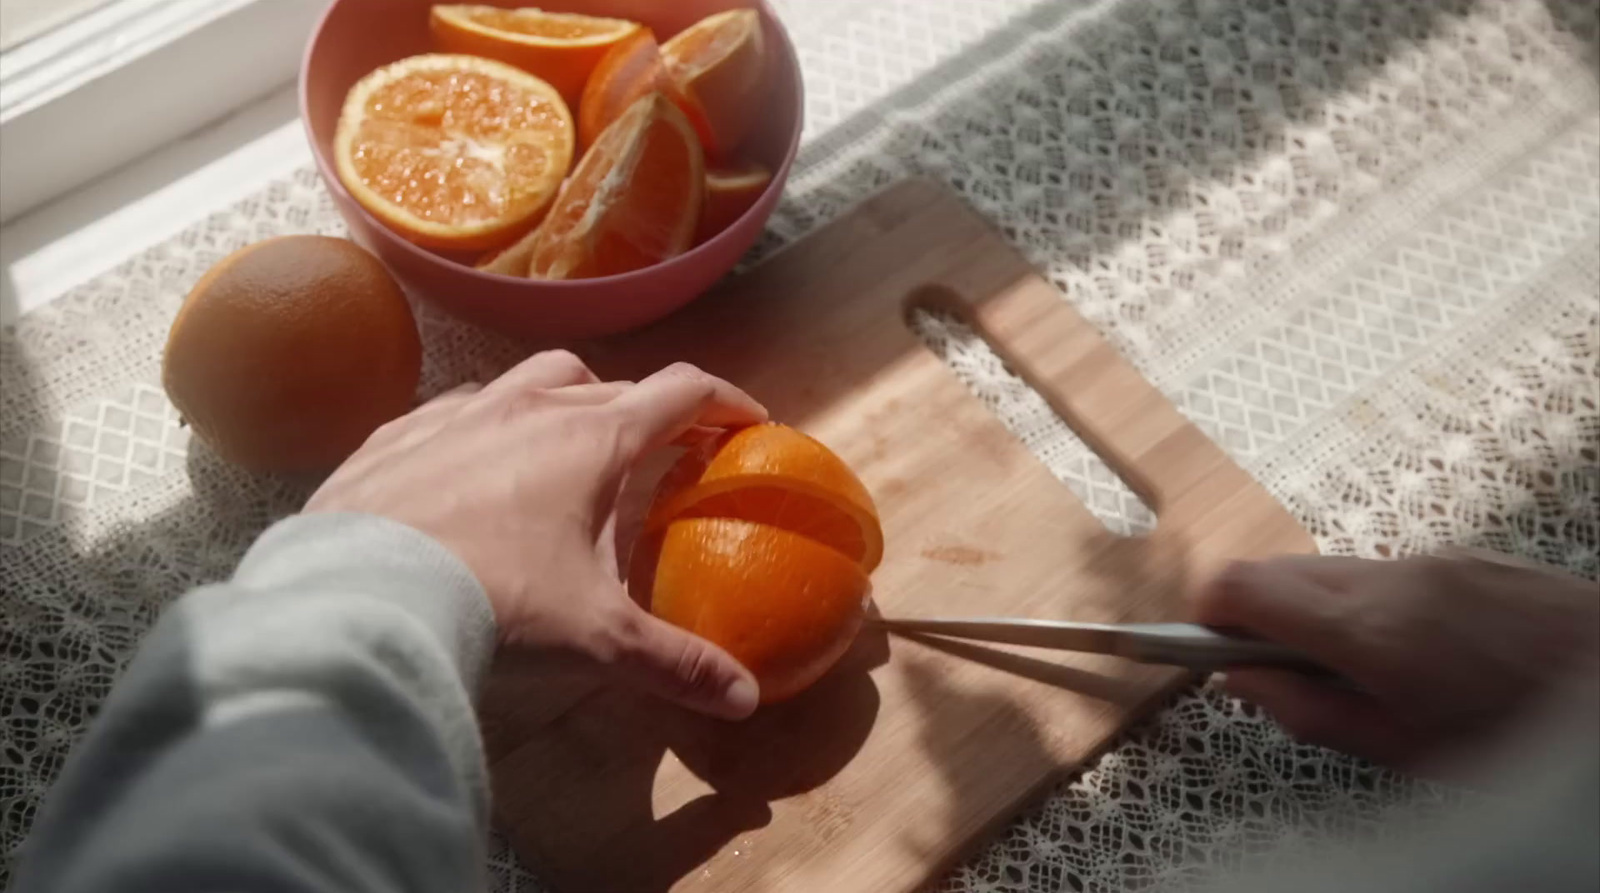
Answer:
(356, 36)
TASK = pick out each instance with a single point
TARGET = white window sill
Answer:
(135, 121)
(78, 236)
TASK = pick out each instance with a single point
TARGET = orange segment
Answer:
(785, 606)
(562, 48)
(453, 152)
(721, 63)
(631, 69)
(633, 201)
(730, 191)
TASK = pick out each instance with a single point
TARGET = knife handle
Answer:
(1209, 649)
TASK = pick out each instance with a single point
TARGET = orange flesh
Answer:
(630, 70)
(626, 201)
(429, 141)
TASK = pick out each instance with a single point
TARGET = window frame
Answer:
(120, 81)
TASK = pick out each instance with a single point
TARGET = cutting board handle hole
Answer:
(945, 324)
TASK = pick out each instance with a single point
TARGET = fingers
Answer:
(1331, 717)
(1283, 602)
(541, 372)
(679, 666)
(670, 403)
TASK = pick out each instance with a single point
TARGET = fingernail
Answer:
(741, 698)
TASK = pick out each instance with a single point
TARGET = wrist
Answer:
(379, 557)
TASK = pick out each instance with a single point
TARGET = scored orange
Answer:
(632, 68)
(761, 541)
(633, 201)
(560, 47)
(773, 474)
(721, 63)
(454, 152)
(730, 191)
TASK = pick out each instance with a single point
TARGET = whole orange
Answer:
(289, 352)
(761, 541)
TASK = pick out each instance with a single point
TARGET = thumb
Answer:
(682, 667)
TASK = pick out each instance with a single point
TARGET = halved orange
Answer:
(454, 152)
(633, 201)
(560, 47)
(730, 191)
(721, 63)
(630, 69)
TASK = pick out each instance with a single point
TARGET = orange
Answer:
(562, 48)
(633, 201)
(288, 353)
(454, 152)
(730, 191)
(784, 605)
(761, 541)
(631, 69)
(775, 475)
(721, 63)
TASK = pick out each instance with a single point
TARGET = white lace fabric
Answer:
(1355, 242)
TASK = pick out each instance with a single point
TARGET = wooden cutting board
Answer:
(902, 759)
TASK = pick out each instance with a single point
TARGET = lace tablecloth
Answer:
(1355, 241)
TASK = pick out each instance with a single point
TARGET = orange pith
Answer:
(634, 199)
(454, 152)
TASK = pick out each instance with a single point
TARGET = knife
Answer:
(1189, 645)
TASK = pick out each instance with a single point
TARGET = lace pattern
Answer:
(1353, 241)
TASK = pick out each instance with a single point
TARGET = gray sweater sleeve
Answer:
(307, 726)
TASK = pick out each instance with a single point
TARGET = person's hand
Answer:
(520, 479)
(1443, 650)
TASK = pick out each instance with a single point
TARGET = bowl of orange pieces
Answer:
(564, 171)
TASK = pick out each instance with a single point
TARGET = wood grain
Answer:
(905, 756)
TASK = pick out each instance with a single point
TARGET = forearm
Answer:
(306, 727)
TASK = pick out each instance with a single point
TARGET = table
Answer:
(1354, 241)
